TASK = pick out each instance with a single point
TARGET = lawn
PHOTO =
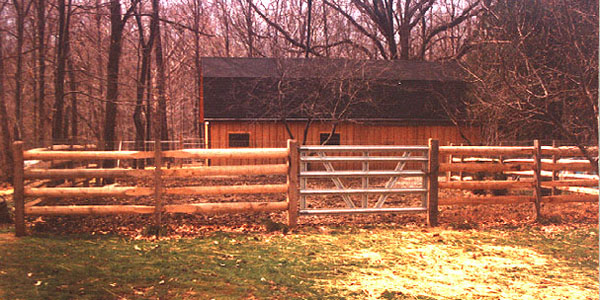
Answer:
(354, 262)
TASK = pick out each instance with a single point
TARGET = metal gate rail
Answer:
(321, 154)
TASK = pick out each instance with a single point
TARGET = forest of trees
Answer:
(92, 71)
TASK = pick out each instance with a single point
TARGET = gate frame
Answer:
(429, 173)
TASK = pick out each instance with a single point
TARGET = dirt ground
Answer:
(458, 217)
(7, 237)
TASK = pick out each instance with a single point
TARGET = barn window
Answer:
(239, 139)
(334, 140)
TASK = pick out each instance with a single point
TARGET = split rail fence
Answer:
(157, 175)
(526, 167)
(530, 173)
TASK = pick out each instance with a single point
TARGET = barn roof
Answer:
(240, 67)
(267, 88)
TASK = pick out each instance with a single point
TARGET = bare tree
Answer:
(161, 109)
(62, 53)
(40, 111)
(198, 110)
(7, 154)
(73, 87)
(298, 40)
(396, 21)
(538, 75)
(21, 10)
(117, 26)
(525, 69)
(313, 90)
(308, 28)
(146, 46)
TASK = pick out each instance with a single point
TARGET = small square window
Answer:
(334, 140)
(239, 140)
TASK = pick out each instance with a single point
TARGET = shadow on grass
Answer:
(330, 263)
(222, 266)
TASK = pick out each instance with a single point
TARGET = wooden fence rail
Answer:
(185, 153)
(517, 161)
(513, 151)
(279, 169)
(532, 165)
(158, 173)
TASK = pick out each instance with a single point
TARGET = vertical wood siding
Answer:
(269, 134)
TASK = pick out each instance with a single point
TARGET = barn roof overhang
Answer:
(368, 121)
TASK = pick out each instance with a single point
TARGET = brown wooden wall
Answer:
(271, 134)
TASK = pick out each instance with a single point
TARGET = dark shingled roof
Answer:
(247, 88)
(227, 67)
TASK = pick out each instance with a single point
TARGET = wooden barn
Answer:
(262, 102)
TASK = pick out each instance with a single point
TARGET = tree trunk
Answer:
(97, 112)
(74, 113)
(227, 42)
(4, 125)
(58, 134)
(20, 24)
(308, 28)
(149, 119)
(112, 79)
(288, 129)
(160, 80)
(141, 85)
(41, 73)
(325, 30)
(404, 43)
(198, 119)
(305, 132)
(250, 29)
(117, 24)
(65, 125)
(331, 133)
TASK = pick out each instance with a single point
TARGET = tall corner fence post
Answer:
(18, 189)
(158, 203)
(432, 188)
(537, 177)
(292, 183)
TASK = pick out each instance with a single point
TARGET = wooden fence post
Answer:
(462, 159)
(449, 173)
(292, 182)
(432, 192)
(158, 203)
(537, 177)
(501, 158)
(180, 162)
(18, 190)
(554, 172)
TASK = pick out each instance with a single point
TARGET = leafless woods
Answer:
(75, 71)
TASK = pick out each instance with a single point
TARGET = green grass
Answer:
(340, 263)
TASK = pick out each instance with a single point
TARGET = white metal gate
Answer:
(357, 163)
